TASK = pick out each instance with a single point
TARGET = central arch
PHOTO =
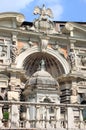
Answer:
(30, 60)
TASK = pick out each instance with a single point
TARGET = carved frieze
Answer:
(81, 57)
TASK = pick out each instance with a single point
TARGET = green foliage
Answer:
(6, 115)
(84, 118)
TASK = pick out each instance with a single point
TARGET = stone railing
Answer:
(26, 115)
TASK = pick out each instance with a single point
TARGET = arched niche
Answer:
(55, 64)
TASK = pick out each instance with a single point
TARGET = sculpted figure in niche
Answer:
(71, 58)
(75, 98)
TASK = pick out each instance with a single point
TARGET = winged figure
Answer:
(43, 12)
(37, 10)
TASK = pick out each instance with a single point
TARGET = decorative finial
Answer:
(43, 7)
(42, 65)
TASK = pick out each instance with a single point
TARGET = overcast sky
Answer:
(63, 10)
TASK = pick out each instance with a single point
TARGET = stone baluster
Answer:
(43, 117)
(64, 121)
(57, 114)
(47, 117)
(15, 116)
(28, 117)
(38, 116)
(1, 116)
(70, 119)
(9, 110)
(81, 118)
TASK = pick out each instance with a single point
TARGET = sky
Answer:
(63, 10)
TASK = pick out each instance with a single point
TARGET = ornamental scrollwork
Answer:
(13, 52)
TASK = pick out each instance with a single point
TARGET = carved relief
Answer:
(12, 95)
(71, 58)
(75, 98)
(43, 12)
(81, 56)
(23, 46)
(13, 51)
(61, 50)
(43, 23)
(3, 51)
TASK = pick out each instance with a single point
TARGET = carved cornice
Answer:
(12, 15)
(70, 77)
(9, 31)
(70, 26)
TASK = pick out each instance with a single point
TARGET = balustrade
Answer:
(55, 116)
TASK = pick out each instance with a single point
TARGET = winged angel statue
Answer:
(43, 12)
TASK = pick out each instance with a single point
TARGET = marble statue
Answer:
(75, 98)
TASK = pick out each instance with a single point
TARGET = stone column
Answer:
(28, 117)
(38, 116)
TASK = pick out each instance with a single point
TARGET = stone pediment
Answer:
(78, 29)
(70, 26)
(7, 18)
